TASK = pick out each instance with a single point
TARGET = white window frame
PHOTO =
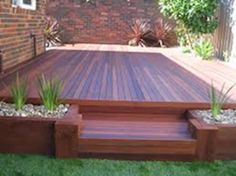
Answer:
(21, 4)
(14, 3)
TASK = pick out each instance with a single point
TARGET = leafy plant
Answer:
(186, 50)
(19, 92)
(194, 16)
(184, 37)
(52, 32)
(218, 99)
(197, 16)
(50, 91)
(204, 49)
(226, 56)
(139, 31)
(164, 34)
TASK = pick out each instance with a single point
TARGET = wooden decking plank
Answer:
(106, 75)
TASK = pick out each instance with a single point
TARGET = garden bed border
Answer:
(44, 136)
(214, 141)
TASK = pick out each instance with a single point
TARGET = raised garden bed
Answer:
(37, 135)
(214, 141)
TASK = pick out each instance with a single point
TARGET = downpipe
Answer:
(33, 37)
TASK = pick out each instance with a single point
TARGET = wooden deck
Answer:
(133, 104)
(136, 134)
(115, 76)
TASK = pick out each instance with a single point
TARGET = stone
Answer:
(225, 117)
(30, 110)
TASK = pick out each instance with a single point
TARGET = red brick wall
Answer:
(15, 27)
(106, 22)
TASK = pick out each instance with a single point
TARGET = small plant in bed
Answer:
(164, 34)
(19, 92)
(139, 32)
(50, 91)
(217, 115)
(52, 32)
(204, 49)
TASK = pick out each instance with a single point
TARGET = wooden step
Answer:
(165, 117)
(110, 136)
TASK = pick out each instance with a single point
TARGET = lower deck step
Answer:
(149, 136)
(137, 146)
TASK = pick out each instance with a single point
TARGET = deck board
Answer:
(110, 75)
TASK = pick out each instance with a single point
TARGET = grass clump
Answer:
(19, 92)
(218, 99)
(204, 49)
(50, 91)
(23, 165)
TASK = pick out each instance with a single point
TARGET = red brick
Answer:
(15, 27)
(107, 22)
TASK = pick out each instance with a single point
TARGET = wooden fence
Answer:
(224, 38)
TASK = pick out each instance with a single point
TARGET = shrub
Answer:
(139, 30)
(19, 92)
(164, 34)
(195, 16)
(184, 37)
(50, 91)
(226, 56)
(52, 32)
(218, 99)
(204, 49)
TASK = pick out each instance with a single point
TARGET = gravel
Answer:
(29, 110)
(225, 117)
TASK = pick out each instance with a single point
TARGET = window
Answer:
(14, 3)
(25, 4)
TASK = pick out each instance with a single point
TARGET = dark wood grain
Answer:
(67, 131)
(133, 104)
(213, 141)
(36, 135)
(27, 136)
(100, 75)
(226, 143)
(127, 133)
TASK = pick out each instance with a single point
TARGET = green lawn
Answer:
(18, 165)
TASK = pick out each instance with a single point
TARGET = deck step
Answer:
(110, 136)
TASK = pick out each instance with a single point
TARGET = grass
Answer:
(218, 100)
(50, 91)
(19, 92)
(21, 165)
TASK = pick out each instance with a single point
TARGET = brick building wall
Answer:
(16, 25)
(104, 21)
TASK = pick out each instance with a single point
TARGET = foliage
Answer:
(186, 50)
(160, 34)
(164, 34)
(50, 91)
(204, 49)
(198, 16)
(193, 17)
(218, 99)
(19, 92)
(184, 37)
(52, 32)
(139, 30)
(226, 56)
(23, 165)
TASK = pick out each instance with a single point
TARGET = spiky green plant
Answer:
(218, 99)
(19, 92)
(204, 49)
(52, 32)
(139, 30)
(50, 91)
